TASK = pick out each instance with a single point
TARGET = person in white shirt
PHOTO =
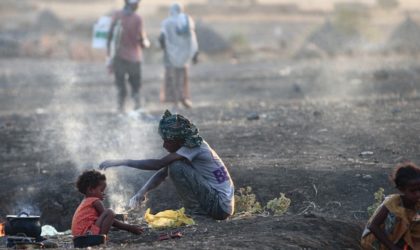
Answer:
(200, 177)
(178, 40)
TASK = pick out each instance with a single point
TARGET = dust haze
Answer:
(291, 94)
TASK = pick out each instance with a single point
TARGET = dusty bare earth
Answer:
(326, 131)
(315, 119)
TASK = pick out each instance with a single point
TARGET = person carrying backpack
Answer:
(125, 42)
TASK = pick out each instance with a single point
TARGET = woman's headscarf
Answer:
(177, 127)
(181, 19)
(180, 38)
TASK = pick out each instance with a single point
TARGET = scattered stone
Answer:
(297, 88)
(253, 116)
(366, 153)
(367, 176)
(395, 111)
(49, 244)
(317, 113)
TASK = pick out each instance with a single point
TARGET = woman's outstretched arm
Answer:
(148, 164)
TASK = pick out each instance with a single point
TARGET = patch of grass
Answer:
(246, 202)
(279, 206)
(379, 198)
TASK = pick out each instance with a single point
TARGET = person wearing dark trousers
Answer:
(126, 40)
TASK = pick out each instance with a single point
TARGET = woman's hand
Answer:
(136, 200)
(110, 163)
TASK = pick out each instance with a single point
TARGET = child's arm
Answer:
(106, 219)
(152, 183)
(127, 227)
(375, 228)
(149, 164)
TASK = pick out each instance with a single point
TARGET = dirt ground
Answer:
(315, 118)
(326, 132)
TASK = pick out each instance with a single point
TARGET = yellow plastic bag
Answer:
(168, 219)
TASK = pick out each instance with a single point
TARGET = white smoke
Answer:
(90, 136)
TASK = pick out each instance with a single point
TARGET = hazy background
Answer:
(309, 69)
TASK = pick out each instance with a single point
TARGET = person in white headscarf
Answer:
(179, 42)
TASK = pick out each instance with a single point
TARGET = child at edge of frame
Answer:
(396, 222)
(91, 216)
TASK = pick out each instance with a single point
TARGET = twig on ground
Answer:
(316, 190)
(357, 212)
(311, 205)
(264, 214)
(334, 202)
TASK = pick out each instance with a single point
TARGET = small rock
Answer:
(367, 176)
(297, 88)
(317, 113)
(366, 153)
(253, 116)
(395, 111)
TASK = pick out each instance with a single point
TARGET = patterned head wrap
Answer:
(175, 127)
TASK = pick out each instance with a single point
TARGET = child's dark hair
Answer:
(405, 172)
(89, 179)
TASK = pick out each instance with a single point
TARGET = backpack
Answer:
(100, 32)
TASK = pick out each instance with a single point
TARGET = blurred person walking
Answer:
(126, 39)
(179, 42)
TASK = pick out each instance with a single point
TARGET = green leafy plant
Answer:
(379, 198)
(246, 202)
(279, 206)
